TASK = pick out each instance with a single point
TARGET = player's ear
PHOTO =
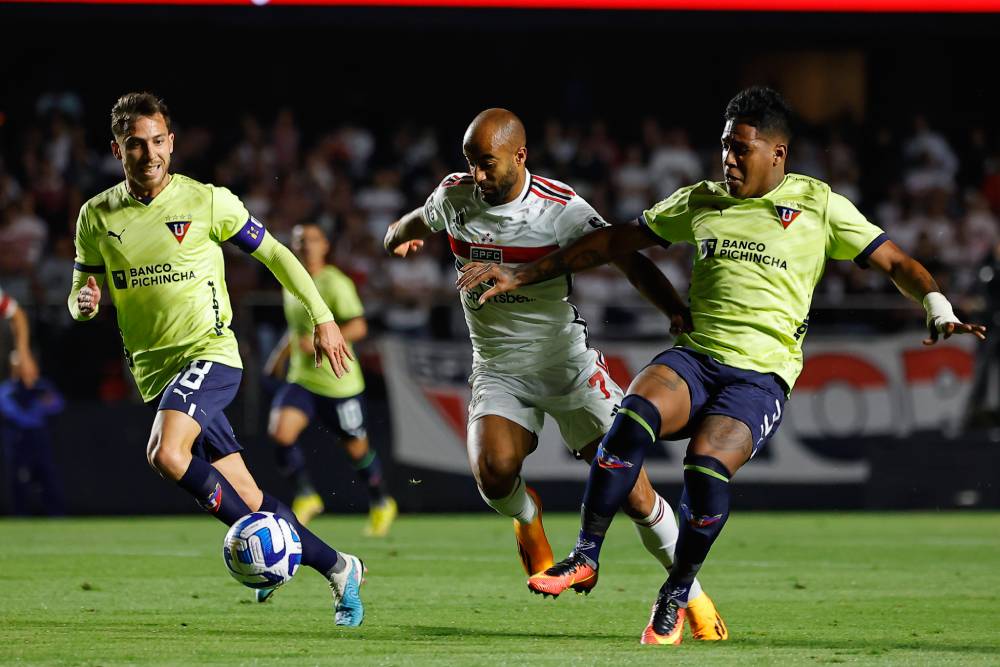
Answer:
(170, 138)
(116, 150)
(780, 153)
(520, 156)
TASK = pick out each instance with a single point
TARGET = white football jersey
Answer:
(535, 326)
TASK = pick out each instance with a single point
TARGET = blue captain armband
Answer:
(250, 236)
(88, 268)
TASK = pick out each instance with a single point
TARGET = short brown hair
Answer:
(132, 105)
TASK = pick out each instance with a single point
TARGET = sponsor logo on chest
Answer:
(482, 254)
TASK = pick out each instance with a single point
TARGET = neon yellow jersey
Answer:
(757, 265)
(341, 296)
(165, 273)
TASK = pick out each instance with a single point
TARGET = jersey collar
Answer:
(148, 201)
(513, 203)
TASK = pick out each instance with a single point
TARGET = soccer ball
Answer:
(262, 550)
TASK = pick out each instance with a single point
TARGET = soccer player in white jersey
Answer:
(26, 368)
(764, 238)
(530, 351)
(159, 237)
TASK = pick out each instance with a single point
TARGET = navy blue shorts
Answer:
(202, 390)
(756, 399)
(343, 416)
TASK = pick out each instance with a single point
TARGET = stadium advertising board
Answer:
(851, 391)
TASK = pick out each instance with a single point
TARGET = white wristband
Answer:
(939, 311)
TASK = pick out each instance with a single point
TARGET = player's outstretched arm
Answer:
(27, 368)
(406, 235)
(646, 277)
(328, 340)
(589, 251)
(915, 282)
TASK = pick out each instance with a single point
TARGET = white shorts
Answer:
(579, 394)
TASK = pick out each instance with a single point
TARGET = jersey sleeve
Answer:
(577, 219)
(342, 297)
(232, 222)
(671, 218)
(849, 234)
(88, 254)
(438, 210)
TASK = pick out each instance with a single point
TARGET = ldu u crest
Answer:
(787, 214)
(179, 228)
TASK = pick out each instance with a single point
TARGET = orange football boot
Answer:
(574, 572)
(705, 620)
(532, 545)
(666, 623)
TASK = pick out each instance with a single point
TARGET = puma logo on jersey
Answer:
(117, 236)
(183, 394)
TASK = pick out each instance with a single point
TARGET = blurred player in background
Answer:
(27, 443)
(26, 368)
(530, 348)
(763, 239)
(158, 235)
(310, 392)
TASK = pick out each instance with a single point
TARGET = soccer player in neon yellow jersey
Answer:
(763, 238)
(159, 237)
(310, 392)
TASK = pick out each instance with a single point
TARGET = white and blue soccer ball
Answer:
(262, 550)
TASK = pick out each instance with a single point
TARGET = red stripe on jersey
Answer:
(550, 184)
(558, 201)
(455, 179)
(510, 254)
(4, 305)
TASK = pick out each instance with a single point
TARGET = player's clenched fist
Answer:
(89, 297)
(328, 341)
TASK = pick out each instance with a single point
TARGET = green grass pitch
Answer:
(447, 590)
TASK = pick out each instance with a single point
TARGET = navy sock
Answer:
(369, 469)
(704, 508)
(316, 553)
(213, 492)
(292, 465)
(615, 469)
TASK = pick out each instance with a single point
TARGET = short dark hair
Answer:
(132, 105)
(762, 107)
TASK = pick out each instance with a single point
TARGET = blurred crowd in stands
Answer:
(936, 193)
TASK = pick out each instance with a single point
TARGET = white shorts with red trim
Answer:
(579, 394)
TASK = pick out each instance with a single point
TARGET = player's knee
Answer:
(171, 461)
(497, 474)
(279, 431)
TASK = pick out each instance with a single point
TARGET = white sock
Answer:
(658, 533)
(518, 505)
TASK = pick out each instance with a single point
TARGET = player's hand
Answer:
(408, 248)
(329, 342)
(88, 297)
(474, 274)
(949, 329)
